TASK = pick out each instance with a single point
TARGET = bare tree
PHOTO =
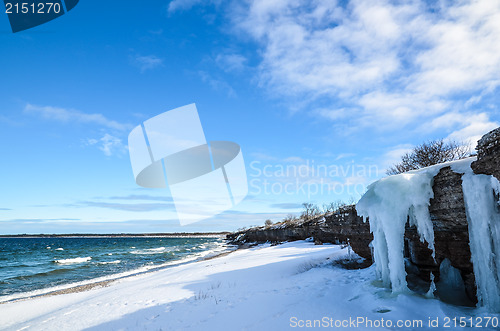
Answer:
(268, 223)
(310, 211)
(430, 153)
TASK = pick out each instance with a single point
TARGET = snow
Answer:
(391, 201)
(263, 288)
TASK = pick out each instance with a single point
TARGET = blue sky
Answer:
(343, 86)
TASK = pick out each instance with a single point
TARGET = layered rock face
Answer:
(488, 155)
(451, 234)
(341, 227)
(345, 226)
(449, 219)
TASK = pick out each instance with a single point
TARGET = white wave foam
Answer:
(59, 249)
(218, 248)
(151, 250)
(75, 260)
(110, 262)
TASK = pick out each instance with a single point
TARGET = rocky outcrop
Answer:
(451, 234)
(488, 155)
(341, 227)
(448, 216)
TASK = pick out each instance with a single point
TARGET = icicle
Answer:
(432, 288)
(484, 235)
(388, 203)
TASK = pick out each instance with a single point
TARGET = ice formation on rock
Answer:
(392, 201)
(484, 234)
(388, 204)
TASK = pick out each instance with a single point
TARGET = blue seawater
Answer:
(28, 264)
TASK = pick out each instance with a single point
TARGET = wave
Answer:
(110, 262)
(214, 250)
(59, 249)
(146, 251)
(39, 274)
(75, 260)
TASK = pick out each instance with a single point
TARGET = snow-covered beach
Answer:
(289, 286)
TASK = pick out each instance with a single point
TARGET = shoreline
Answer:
(261, 288)
(120, 235)
(95, 283)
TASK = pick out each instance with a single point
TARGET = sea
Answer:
(32, 265)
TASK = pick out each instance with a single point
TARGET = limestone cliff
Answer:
(448, 216)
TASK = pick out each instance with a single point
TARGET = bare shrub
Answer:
(333, 206)
(310, 211)
(290, 218)
(430, 153)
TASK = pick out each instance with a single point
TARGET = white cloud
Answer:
(231, 61)
(71, 115)
(334, 114)
(464, 126)
(393, 64)
(294, 159)
(473, 127)
(109, 145)
(217, 84)
(138, 207)
(344, 155)
(264, 156)
(179, 5)
(393, 155)
(147, 62)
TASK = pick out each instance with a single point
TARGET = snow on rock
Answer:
(390, 202)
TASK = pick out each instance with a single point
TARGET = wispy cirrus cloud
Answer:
(142, 197)
(231, 62)
(182, 5)
(131, 202)
(41, 220)
(108, 144)
(136, 207)
(381, 64)
(147, 62)
(65, 115)
(286, 205)
(217, 84)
